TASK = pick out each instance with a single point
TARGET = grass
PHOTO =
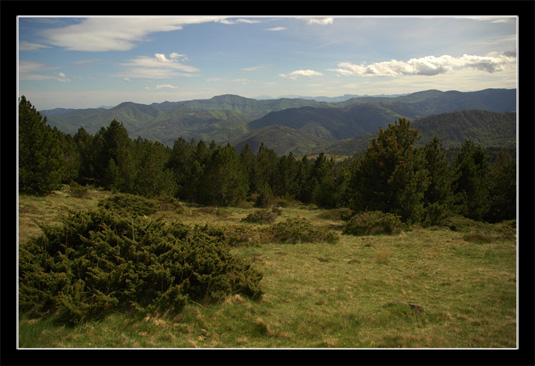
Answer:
(424, 288)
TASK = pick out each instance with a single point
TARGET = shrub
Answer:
(261, 217)
(245, 235)
(169, 203)
(435, 214)
(374, 223)
(300, 230)
(77, 190)
(129, 204)
(100, 261)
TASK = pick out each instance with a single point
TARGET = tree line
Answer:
(420, 184)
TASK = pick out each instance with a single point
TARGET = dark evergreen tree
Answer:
(113, 143)
(438, 198)
(286, 181)
(321, 182)
(197, 166)
(224, 181)
(70, 156)
(303, 174)
(152, 179)
(502, 188)
(470, 185)
(391, 175)
(41, 168)
(266, 167)
(84, 142)
(248, 160)
(179, 164)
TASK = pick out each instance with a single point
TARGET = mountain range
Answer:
(302, 126)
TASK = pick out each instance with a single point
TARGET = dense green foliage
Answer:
(47, 157)
(102, 261)
(374, 223)
(300, 230)
(261, 217)
(421, 184)
(129, 205)
(392, 175)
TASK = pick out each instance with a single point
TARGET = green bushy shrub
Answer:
(129, 204)
(261, 217)
(169, 203)
(77, 190)
(300, 230)
(374, 223)
(246, 235)
(100, 261)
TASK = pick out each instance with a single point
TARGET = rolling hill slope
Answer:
(281, 139)
(489, 129)
(364, 115)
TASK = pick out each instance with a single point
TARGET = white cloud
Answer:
(253, 68)
(494, 19)
(31, 70)
(176, 56)
(157, 67)
(127, 80)
(276, 29)
(321, 21)
(28, 46)
(165, 86)
(62, 77)
(429, 65)
(305, 73)
(115, 33)
(240, 20)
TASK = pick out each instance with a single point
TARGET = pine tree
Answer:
(286, 181)
(114, 143)
(70, 156)
(179, 164)
(438, 198)
(391, 175)
(502, 188)
(266, 167)
(248, 160)
(470, 186)
(41, 168)
(322, 182)
(224, 181)
(303, 174)
(84, 143)
(152, 179)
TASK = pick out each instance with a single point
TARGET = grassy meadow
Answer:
(423, 288)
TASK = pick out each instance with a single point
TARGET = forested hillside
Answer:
(229, 117)
(489, 129)
(281, 139)
(394, 175)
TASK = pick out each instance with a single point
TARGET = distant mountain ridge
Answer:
(232, 118)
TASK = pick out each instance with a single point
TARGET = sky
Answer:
(88, 62)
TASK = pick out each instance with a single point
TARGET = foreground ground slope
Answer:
(441, 287)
